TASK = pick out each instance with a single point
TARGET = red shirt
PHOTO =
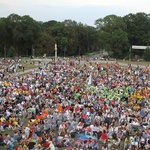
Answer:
(68, 107)
(46, 144)
(7, 123)
(91, 110)
(104, 136)
(77, 109)
(105, 108)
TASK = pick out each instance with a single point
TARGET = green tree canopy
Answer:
(112, 35)
(22, 34)
(138, 28)
(146, 55)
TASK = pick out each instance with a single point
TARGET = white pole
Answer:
(55, 53)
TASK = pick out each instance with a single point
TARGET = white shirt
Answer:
(135, 123)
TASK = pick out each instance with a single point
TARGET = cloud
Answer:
(78, 3)
(85, 11)
(128, 4)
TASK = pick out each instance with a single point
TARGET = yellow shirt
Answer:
(3, 119)
(15, 123)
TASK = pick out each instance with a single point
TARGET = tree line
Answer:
(24, 36)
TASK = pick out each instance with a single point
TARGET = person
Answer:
(9, 145)
(104, 137)
(135, 142)
(62, 87)
(23, 68)
(1, 140)
(127, 143)
(135, 125)
(142, 142)
(147, 145)
(116, 142)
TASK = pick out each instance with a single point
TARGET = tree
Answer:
(31, 31)
(71, 28)
(22, 33)
(81, 38)
(49, 24)
(87, 38)
(146, 55)
(12, 52)
(112, 35)
(45, 43)
(2, 35)
(138, 28)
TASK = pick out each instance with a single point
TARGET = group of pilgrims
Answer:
(76, 104)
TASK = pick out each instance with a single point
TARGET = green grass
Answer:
(141, 62)
(30, 66)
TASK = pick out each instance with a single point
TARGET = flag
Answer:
(42, 73)
(89, 82)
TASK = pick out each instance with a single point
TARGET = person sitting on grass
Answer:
(9, 144)
(1, 140)
(127, 143)
(142, 142)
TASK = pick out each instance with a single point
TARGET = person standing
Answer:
(23, 68)
(104, 137)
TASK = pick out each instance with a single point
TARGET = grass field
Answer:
(143, 63)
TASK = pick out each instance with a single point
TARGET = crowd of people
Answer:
(76, 105)
(9, 66)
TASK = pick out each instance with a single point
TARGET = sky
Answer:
(84, 11)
